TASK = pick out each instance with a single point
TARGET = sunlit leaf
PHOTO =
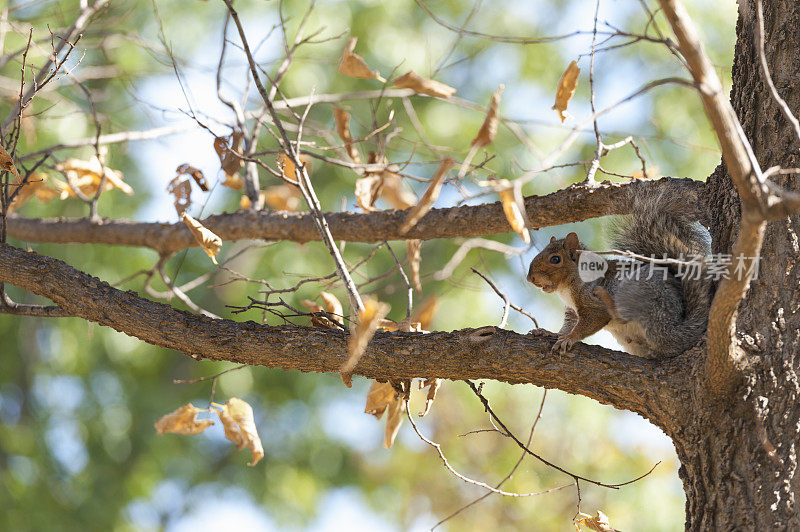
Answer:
(210, 242)
(379, 397)
(343, 129)
(361, 333)
(332, 306)
(240, 427)
(488, 130)
(433, 387)
(353, 65)
(393, 421)
(86, 176)
(414, 253)
(510, 208)
(412, 80)
(7, 162)
(394, 193)
(427, 200)
(367, 190)
(598, 523)
(283, 197)
(182, 421)
(566, 89)
(35, 187)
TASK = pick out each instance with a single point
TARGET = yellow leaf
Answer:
(332, 306)
(86, 176)
(488, 130)
(7, 162)
(379, 397)
(282, 197)
(361, 333)
(210, 242)
(652, 171)
(196, 173)
(240, 427)
(353, 65)
(245, 203)
(412, 80)
(343, 128)
(511, 210)
(599, 523)
(182, 421)
(426, 202)
(566, 89)
(414, 252)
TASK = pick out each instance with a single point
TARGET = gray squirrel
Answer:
(652, 310)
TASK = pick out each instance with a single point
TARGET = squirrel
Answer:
(651, 310)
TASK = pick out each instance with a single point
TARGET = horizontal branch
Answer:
(622, 380)
(573, 204)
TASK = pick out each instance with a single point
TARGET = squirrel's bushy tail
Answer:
(664, 225)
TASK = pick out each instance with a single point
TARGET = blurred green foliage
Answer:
(77, 401)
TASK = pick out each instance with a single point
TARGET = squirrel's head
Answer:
(556, 264)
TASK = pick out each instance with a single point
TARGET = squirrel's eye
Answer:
(555, 259)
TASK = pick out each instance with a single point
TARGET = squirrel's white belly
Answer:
(630, 336)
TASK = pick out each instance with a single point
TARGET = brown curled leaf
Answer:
(86, 176)
(488, 130)
(427, 200)
(412, 80)
(240, 427)
(361, 333)
(379, 397)
(229, 150)
(368, 189)
(36, 186)
(598, 523)
(182, 421)
(566, 89)
(394, 193)
(318, 317)
(7, 162)
(210, 242)
(414, 253)
(196, 173)
(342, 118)
(393, 421)
(353, 65)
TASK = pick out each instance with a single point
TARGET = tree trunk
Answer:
(739, 462)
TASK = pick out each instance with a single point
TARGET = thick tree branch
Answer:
(573, 204)
(622, 380)
(722, 375)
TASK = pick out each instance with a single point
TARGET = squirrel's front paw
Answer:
(563, 344)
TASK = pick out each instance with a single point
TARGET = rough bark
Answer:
(573, 204)
(739, 463)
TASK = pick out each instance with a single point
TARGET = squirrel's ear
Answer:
(571, 243)
(552, 239)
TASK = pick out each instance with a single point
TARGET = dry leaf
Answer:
(182, 190)
(245, 203)
(599, 523)
(182, 421)
(393, 421)
(210, 242)
(7, 162)
(282, 197)
(229, 151)
(433, 387)
(196, 174)
(240, 427)
(333, 306)
(343, 128)
(426, 202)
(566, 89)
(424, 312)
(318, 318)
(392, 191)
(367, 190)
(414, 253)
(353, 65)
(361, 333)
(86, 176)
(379, 397)
(488, 129)
(36, 186)
(511, 209)
(412, 80)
